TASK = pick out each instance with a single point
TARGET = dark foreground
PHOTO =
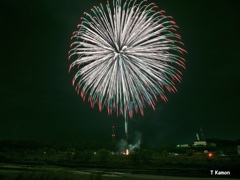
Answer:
(31, 160)
(15, 171)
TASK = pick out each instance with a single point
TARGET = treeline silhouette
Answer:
(160, 160)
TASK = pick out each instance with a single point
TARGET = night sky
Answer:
(38, 101)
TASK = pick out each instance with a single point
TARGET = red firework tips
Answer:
(164, 98)
(99, 106)
(130, 114)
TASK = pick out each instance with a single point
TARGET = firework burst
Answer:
(127, 55)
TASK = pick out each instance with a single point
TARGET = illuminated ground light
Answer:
(127, 152)
(210, 155)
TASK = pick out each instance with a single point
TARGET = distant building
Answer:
(183, 145)
(200, 143)
(200, 139)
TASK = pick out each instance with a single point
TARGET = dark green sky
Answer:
(38, 101)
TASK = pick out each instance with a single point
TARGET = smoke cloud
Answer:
(137, 139)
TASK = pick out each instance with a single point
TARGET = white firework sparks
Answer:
(127, 54)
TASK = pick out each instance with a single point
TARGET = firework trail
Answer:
(127, 54)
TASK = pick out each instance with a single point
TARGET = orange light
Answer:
(127, 152)
(210, 154)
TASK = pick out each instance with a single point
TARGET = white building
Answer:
(200, 143)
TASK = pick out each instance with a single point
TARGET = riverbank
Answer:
(21, 171)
